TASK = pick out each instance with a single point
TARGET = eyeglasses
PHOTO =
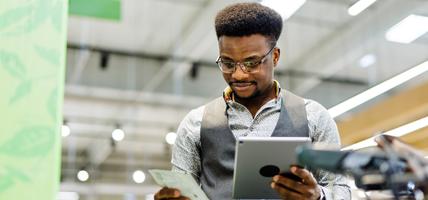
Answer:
(249, 66)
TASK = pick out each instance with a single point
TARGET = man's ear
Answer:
(276, 55)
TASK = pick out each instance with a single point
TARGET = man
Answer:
(253, 105)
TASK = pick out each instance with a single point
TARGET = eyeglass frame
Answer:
(242, 66)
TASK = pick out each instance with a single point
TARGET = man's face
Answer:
(246, 48)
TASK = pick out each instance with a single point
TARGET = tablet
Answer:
(258, 159)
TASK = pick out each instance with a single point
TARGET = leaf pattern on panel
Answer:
(6, 182)
(48, 10)
(23, 89)
(51, 104)
(12, 64)
(13, 16)
(50, 55)
(38, 14)
(30, 22)
(30, 142)
(41, 12)
(10, 176)
(56, 14)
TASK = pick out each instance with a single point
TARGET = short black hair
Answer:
(244, 19)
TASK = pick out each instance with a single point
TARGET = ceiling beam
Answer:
(128, 97)
(116, 167)
(318, 76)
(142, 55)
(95, 111)
(99, 151)
(109, 188)
(182, 61)
(194, 44)
(336, 2)
(82, 62)
(400, 109)
(328, 55)
(417, 139)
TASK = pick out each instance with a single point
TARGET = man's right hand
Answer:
(169, 193)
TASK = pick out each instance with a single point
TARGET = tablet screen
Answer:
(258, 159)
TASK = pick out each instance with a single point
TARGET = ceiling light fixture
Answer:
(359, 7)
(65, 130)
(378, 90)
(139, 176)
(118, 134)
(170, 138)
(408, 30)
(286, 8)
(367, 60)
(83, 175)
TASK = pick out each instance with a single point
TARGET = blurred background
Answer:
(135, 68)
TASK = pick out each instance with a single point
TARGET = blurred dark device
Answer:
(367, 169)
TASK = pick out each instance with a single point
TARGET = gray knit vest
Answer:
(218, 141)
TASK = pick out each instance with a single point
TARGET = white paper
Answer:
(184, 182)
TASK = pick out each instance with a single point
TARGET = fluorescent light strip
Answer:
(397, 132)
(286, 8)
(359, 7)
(378, 90)
(408, 30)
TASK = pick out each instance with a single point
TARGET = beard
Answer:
(255, 94)
(237, 93)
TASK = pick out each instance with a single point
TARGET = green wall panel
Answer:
(105, 9)
(32, 67)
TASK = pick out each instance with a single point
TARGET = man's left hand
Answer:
(290, 189)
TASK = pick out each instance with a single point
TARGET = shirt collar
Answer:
(228, 93)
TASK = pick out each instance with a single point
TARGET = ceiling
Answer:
(145, 72)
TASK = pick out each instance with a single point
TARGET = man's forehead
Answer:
(235, 44)
(254, 38)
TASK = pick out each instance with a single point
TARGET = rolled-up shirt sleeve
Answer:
(186, 149)
(323, 130)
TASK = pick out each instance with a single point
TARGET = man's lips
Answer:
(245, 84)
(242, 85)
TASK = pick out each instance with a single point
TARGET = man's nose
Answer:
(239, 74)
